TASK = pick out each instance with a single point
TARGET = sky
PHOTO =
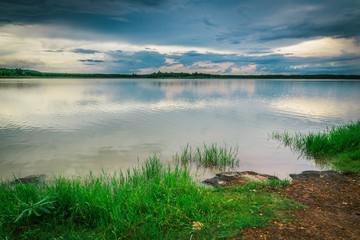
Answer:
(208, 36)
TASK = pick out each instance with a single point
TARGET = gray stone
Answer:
(221, 179)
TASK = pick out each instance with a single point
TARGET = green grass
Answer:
(151, 201)
(209, 156)
(338, 146)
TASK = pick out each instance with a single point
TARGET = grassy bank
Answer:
(151, 201)
(338, 147)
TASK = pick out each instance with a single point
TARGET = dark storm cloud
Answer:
(77, 50)
(40, 7)
(208, 22)
(189, 58)
(277, 63)
(169, 22)
(248, 26)
(124, 62)
(4, 21)
(258, 51)
(273, 20)
(55, 51)
(310, 65)
(91, 61)
(346, 27)
(85, 51)
(296, 65)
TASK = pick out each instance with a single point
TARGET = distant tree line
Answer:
(18, 72)
(22, 73)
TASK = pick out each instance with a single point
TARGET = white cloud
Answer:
(43, 44)
(245, 70)
(324, 47)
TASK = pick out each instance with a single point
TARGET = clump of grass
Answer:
(209, 156)
(151, 201)
(338, 146)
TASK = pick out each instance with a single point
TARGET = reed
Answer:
(338, 146)
(209, 156)
(150, 201)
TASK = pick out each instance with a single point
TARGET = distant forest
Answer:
(23, 73)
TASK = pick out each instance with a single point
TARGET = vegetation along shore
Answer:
(157, 201)
(24, 73)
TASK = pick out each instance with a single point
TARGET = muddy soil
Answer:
(332, 210)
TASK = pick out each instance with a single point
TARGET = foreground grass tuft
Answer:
(151, 201)
(209, 156)
(338, 146)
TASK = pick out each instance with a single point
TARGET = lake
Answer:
(72, 126)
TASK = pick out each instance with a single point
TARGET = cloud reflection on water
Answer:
(63, 125)
(176, 87)
(315, 108)
(33, 105)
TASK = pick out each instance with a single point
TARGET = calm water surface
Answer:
(72, 126)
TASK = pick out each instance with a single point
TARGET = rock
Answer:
(311, 174)
(29, 179)
(226, 178)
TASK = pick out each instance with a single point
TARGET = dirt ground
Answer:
(332, 211)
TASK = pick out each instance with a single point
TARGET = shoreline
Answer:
(25, 73)
(331, 207)
(264, 77)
